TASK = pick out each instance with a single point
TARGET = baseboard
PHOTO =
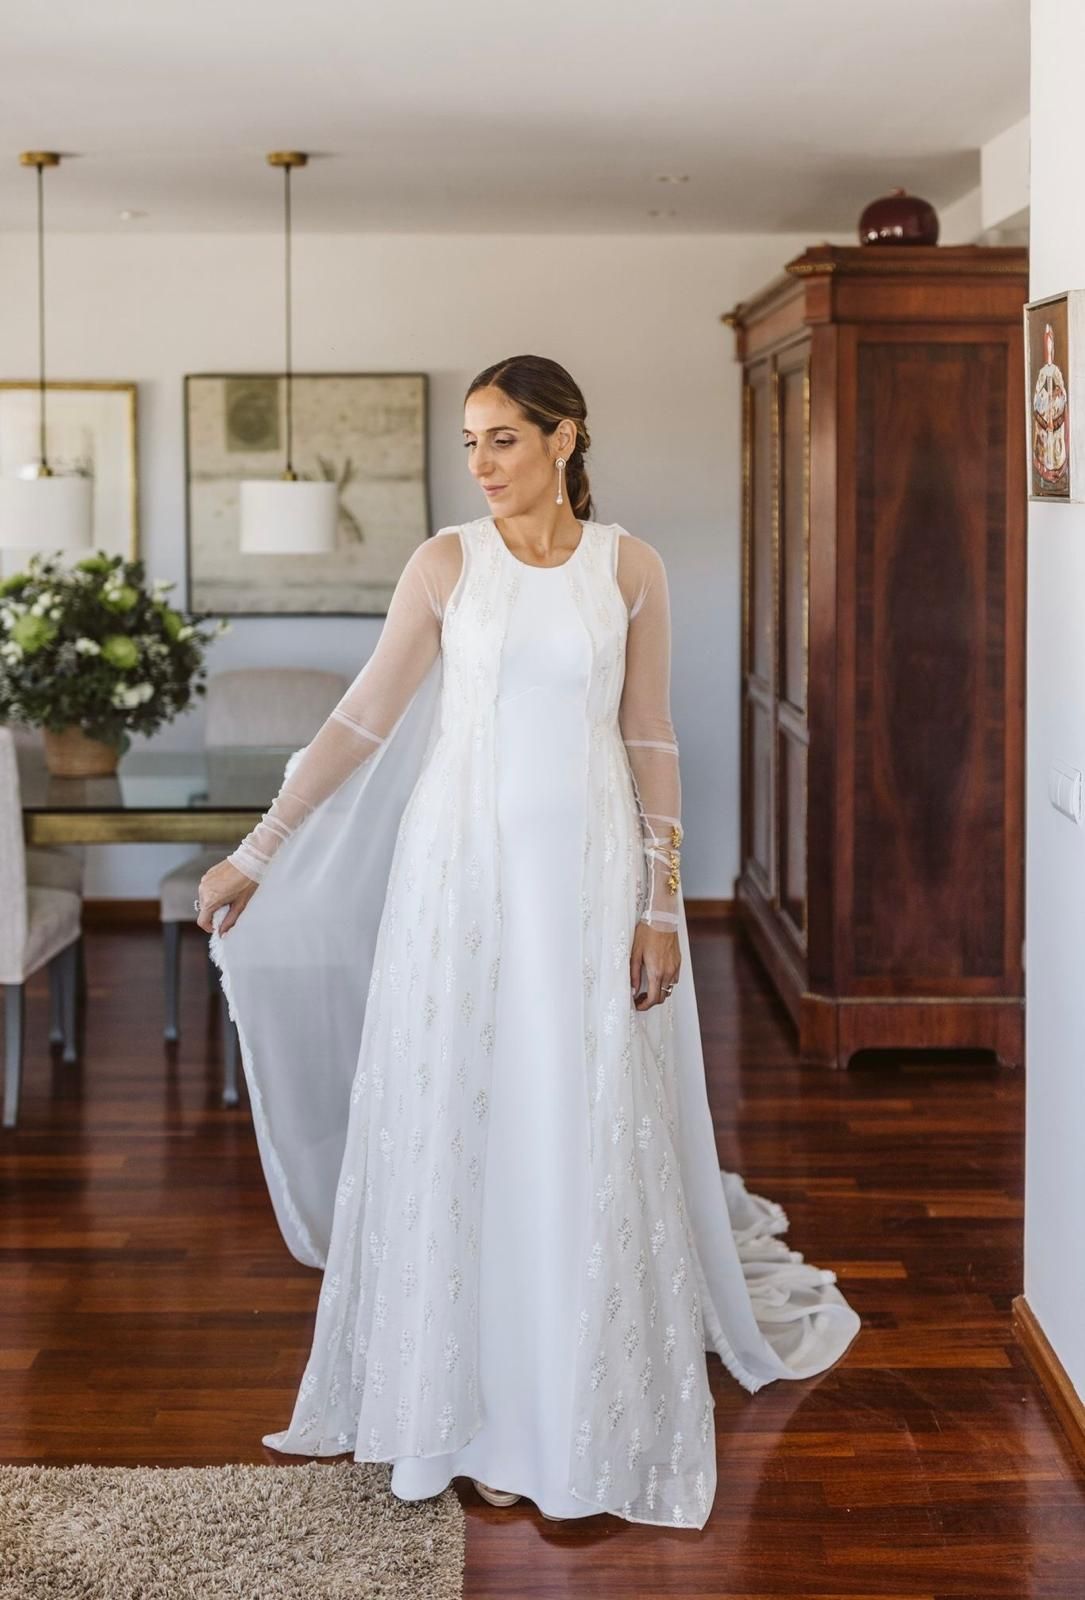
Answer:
(121, 913)
(708, 910)
(1066, 1402)
(104, 913)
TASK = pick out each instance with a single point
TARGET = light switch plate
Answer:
(1064, 789)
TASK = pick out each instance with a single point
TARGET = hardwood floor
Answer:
(149, 1312)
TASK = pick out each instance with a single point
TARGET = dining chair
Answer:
(53, 866)
(39, 925)
(246, 706)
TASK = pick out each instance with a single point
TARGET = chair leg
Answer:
(230, 1095)
(171, 948)
(56, 999)
(69, 959)
(14, 1016)
(81, 969)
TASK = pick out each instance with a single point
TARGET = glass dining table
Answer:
(207, 796)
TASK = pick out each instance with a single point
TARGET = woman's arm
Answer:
(361, 721)
(644, 717)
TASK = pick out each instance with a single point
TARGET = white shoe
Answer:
(496, 1497)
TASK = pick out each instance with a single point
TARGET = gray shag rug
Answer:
(311, 1532)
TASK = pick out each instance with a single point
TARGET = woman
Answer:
(470, 1033)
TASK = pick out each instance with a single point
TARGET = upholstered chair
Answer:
(39, 925)
(53, 866)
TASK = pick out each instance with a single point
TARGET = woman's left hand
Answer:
(656, 955)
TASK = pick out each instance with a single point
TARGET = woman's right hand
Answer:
(224, 884)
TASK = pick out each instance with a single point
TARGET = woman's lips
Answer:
(494, 488)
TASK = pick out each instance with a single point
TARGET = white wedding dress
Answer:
(524, 1342)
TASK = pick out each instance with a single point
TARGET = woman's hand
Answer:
(658, 955)
(220, 885)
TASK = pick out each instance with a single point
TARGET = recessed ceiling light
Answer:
(672, 177)
(130, 216)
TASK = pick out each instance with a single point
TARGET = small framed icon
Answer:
(1054, 409)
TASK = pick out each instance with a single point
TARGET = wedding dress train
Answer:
(507, 1172)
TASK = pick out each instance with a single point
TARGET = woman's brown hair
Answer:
(546, 393)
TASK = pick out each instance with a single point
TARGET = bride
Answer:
(456, 952)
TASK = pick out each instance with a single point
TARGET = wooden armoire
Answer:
(883, 645)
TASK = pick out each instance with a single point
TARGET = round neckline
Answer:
(530, 565)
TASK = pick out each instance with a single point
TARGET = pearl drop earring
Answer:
(560, 464)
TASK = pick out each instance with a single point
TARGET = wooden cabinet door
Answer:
(931, 792)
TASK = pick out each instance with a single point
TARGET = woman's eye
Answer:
(469, 442)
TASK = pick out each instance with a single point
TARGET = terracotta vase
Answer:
(71, 754)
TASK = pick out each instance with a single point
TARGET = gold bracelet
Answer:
(676, 839)
(673, 856)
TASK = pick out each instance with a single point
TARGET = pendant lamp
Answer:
(288, 515)
(39, 510)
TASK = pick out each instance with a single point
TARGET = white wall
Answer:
(996, 211)
(1004, 169)
(1055, 859)
(636, 321)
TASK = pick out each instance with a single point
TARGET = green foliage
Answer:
(89, 644)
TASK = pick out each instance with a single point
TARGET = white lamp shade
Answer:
(46, 513)
(288, 517)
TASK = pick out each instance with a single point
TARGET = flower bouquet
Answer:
(88, 653)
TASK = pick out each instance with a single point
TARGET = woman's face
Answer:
(512, 459)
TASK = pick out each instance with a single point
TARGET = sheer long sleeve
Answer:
(363, 718)
(647, 730)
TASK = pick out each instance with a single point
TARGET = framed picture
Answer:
(366, 432)
(1054, 411)
(90, 428)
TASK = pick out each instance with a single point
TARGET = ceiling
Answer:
(783, 115)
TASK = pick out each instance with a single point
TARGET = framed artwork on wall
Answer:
(91, 430)
(366, 432)
(1054, 409)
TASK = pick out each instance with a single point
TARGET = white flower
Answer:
(186, 631)
(128, 696)
(88, 647)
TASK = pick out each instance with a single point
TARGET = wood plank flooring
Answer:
(150, 1314)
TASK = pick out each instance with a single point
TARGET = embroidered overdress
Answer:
(365, 977)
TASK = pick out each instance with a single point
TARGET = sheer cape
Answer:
(361, 979)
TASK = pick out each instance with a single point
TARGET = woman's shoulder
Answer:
(433, 569)
(439, 551)
(638, 560)
(632, 541)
